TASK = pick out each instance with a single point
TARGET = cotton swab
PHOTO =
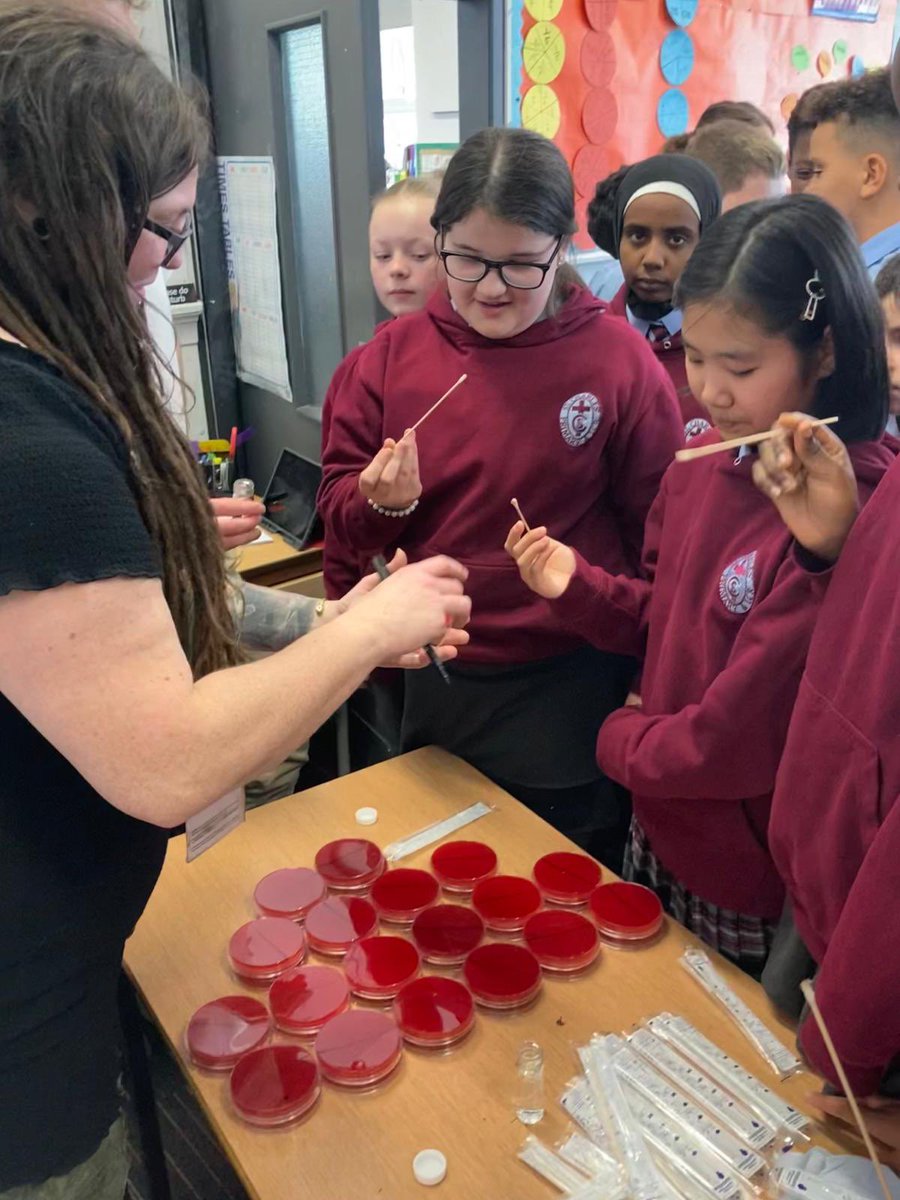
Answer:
(810, 996)
(514, 502)
(735, 443)
(462, 379)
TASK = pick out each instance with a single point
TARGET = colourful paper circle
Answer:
(824, 63)
(600, 13)
(600, 115)
(840, 50)
(544, 10)
(857, 66)
(590, 165)
(788, 104)
(676, 56)
(540, 110)
(672, 113)
(800, 58)
(544, 52)
(598, 58)
(682, 12)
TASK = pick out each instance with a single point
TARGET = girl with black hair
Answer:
(778, 315)
(565, 408)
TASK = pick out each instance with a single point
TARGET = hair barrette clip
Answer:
(816, 294)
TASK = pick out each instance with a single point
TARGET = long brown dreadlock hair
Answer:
(90, 132)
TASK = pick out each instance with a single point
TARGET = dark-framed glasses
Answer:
(468, 268)
(174, 240)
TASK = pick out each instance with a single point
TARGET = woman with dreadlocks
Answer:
(124, 706)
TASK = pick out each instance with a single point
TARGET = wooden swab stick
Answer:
(514, 502)
(810, 996)
(735, 443)
(462, 379)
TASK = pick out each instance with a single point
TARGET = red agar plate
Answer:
(378, 967)
(566, 878)
(304, 999)
(561, 941)
(400, 895)
(290, 892)
(359, 1047)
(503, 975)
(460, 865)
(263, 949)
(446, 933)
(626, 912)
(433, 1011)
(275, 1085)
(221, 1031)
(336, 923)
(350, 864)
(506, 902)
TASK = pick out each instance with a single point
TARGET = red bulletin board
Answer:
(609, 84)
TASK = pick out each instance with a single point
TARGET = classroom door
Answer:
(297, 83)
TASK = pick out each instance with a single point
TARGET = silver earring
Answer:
(816, 294)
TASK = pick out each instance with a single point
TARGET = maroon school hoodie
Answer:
(670, 354)
(724, 619)
(835, 830)
(574, 417)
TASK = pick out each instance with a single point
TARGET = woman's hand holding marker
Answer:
(806, 473)
(545, 564)
(391, 480)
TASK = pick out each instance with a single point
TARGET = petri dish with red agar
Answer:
(378, 967)
(562, 941)
(433, 1011)
(566, 878)
(401, 894)
(359, 1048)
(220, 1032)
(275, 1085)
(350, 864)
(446, 933)
(505, 902)
(305, 999)
(459, 866)
(626, 912)
(333, 925)
(265, 948)
(289, 892)
(502, 975)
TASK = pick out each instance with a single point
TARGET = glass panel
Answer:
(419, 84)
(312, 210)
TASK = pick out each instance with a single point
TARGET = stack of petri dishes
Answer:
(350, 864)
(333, 925)
(434, 1012)
(446, 933)
(566, 878)
(502, 975)
(401, 894)
(459, 866)
(359, 1048)
(263, 949)
(289, 892)
(275, 1085)
(305, 999)
(505, 902)
(378, 967)
(562, 941)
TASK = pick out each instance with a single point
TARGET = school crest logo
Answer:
(695, 427)
(737, 589)
(579, 419)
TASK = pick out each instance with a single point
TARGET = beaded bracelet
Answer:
(393, 512)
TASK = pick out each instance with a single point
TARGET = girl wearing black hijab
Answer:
(662, 206)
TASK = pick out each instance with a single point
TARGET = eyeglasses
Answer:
(174, 241)
(468, 268)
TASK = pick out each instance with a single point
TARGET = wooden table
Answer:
(278, 564)
(360, 1147)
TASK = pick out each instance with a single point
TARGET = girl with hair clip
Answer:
(778, 314)
(120, 689)
(564, 408)
(662, 207)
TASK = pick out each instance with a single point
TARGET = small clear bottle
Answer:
(244, 489)
(529, 1095)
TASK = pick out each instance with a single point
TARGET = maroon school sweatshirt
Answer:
(670, 354)
(574, 417)
(835, 830)
(724, 619)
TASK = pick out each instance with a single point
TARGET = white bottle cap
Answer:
(429, 1167)
(366, 816)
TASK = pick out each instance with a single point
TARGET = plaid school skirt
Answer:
(744, 940)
